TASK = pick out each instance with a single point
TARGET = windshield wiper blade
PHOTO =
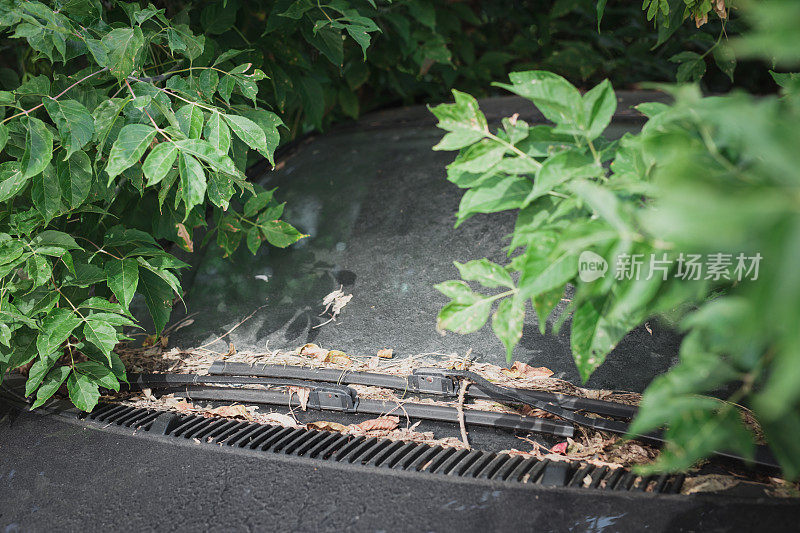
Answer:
(446, 382)
(345, 399)
(437, 381)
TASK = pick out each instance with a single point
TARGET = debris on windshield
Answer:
(708, 483)
(561, 447)
(314, 351)
(236, 410)
(522, 369)
(384, 423)
(334, 302)
(302, 395)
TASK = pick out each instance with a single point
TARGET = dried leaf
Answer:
(386, 353)
(302, 395)
(337, 357)
(183, 233)
(324, 425)
(386, 423)
(708, 483)
(720, 9)
(280, 419)
(334, 302)
(519, 369)
(312, 350)
(232, 411)
(183, 406)
(561, 448)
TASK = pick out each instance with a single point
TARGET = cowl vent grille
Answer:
(380, 453)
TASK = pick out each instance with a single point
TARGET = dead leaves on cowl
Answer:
(384, 423)
(523, 370)
(337, 357)
(321, 355)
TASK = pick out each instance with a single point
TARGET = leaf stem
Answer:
(56, 97)
(512, 148)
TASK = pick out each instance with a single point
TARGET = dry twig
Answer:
(461, 394)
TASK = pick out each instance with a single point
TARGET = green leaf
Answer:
(181, 39)
(38, 270)
(217, 133)
(52, 238)
(559, 169)
(3, 136)
(692, 66)
(599, 105)
(159, 161)
(281, 234)
(507, 323)
(75, 124)
(557, 99)
(593, 336)
(225, 87)
(488, 274)
(601, 9)
(38, 148)
(122, 47)
(158, 297)
(113, 319)
(479, 157)
(463, 119)
(46, 194)
(75, 178)
(100, 374)
(219, 190)
(249, 132)
(544, 303)
(542, 273)
(725, 60)
(56, 328)
(208, 81)
(37, 373)
(464, 318)
(204, 151)
(193, 181)
(497, 193)
(51, 383)
(5, 335)
(12, 180)
(253, 239)
(269, 123)
(123, 278)
(603, 202)
(459, 291)
(258, 202)
(329, 42)
(129, 147)
(360, 34)
(101, 334)
(83, 391)
(190, 120)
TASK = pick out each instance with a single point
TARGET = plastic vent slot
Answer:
(384, 453)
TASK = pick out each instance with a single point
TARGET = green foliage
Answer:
(706, 176)
(137, 135)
